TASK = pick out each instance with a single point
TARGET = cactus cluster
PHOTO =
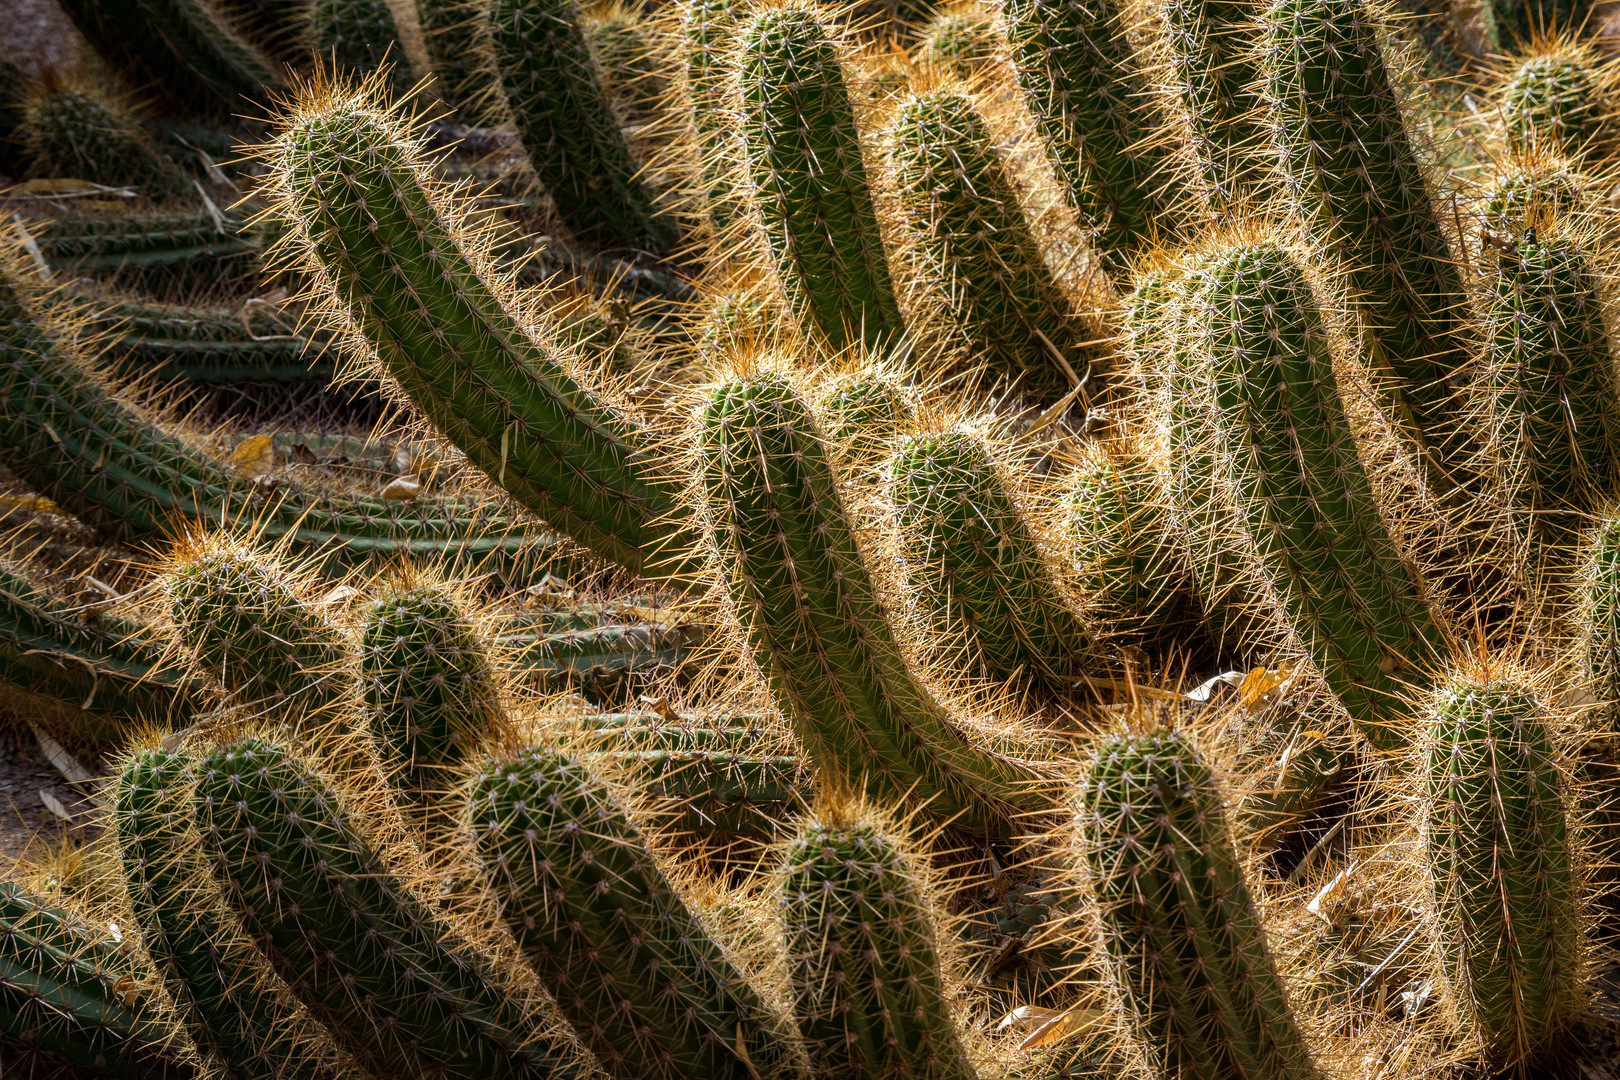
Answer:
(1016, 539)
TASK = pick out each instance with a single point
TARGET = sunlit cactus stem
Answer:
(1213, 71)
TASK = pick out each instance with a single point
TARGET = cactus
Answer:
(356, 35)
(399, 989)
(1302, 488)
(56, 419)
(1213, 72)
(244, 620)
(959, 41)
(1515, 23)
(623, 45)
(245, 1025)
(1500, 856)
(863, 957)
(450, 35)
(1550, 386)
(1530, 192)
(992, 298)
(707, 27)
(801, 587)
(1130, 568)
(183, 49)
(975, 563)
(69, 997)
(429, 689)
(1597, 615)
(1082, 85)
(74, 131)
(390, 248)
(865, 415)
(734, 792)
(162, 342)
(808, 181)
(736, 320)
(554, 89)
(1553, 101)
(604, 661)
(202, 245)
(1188, 951)
(644, 984)
(1351, 165)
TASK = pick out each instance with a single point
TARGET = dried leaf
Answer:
(1260, 685)
(1048, 1026)
(254, 458)
(34, 503)
(402, 489)
(53, 805)
(62, 761)
(1329, 893)
(127, 990)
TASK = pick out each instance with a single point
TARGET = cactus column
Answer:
(1214, 74)
(809, 181)
(800, 586)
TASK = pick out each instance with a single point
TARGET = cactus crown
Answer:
(1553, 101)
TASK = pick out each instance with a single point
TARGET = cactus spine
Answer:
(809, 184)
(1598, 615)
(633, 76)
(1339, 130)
(974, 560)
(1299, 482)
(1188, 949)
(1500, 855)
(356, 36)
(707, 28)
(1213, 71)
(801, 588)
(1081, 84)
(450, 35)
(401, 263)
(1530, 192)
(961, 41)
(247, 1027)
(995, 301)
(74, 131)
(1552, 103)
(862, 955)
(560, 108)
(865, 416)
(395, 985)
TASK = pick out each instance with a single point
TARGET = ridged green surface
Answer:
(1084, 88)
(707, 28)
(560, 109)
(1302, 489)
(400, 990)
(1552, 103)
(1352, 166)
(194, 243)
(1499, 852)
(990, 296)
(1212, 70)
(73, 131)
(865, 417)
(248, 628)
(101, 669)
(1597, 616)
(115, 470)
(1188, 950)
(357, 36)
(637, 975)
(974, 564)
(862, 955)
(429, 689)
(625, 46)
(70, 1003)
(1550, 382)
(959, 42)
(245, 1026)
(800, 585)
(450, 36)
(603, 661)
(166, 341)
(1521, 193)
(507, 399)
(181, 49)
(808, 180)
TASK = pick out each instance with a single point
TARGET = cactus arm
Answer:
(1214, 73)
(393, 256)
(799, 583)
(398, 988)
(809, 181)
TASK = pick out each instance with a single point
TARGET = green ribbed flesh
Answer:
(995, 301)
(119, 473)
(961, 43)
(634, 79)
(180, 49)
(1188, 949)
(1083, 86)
(1131, 570)
(74, 132)
(1598, 617)
(429, 689)
(400, 990)
(645, 986)
(100, 668)
(164, 341)
(800, 585)
(602, 660)
(1302, 489)
(506, 399)
(1212, 70)
(1500, 855)
(251, 632)
(244, 1025)
(357, 36)
(106, 244)
(1551, 386)
(1523, 193)
(974, 564)
(865, 969)
(1352, 166)
(865, 417)
(560, 108)
(1552, 103)
(707, 28)
(809, 182)
(70, 1002)
(450, 36)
